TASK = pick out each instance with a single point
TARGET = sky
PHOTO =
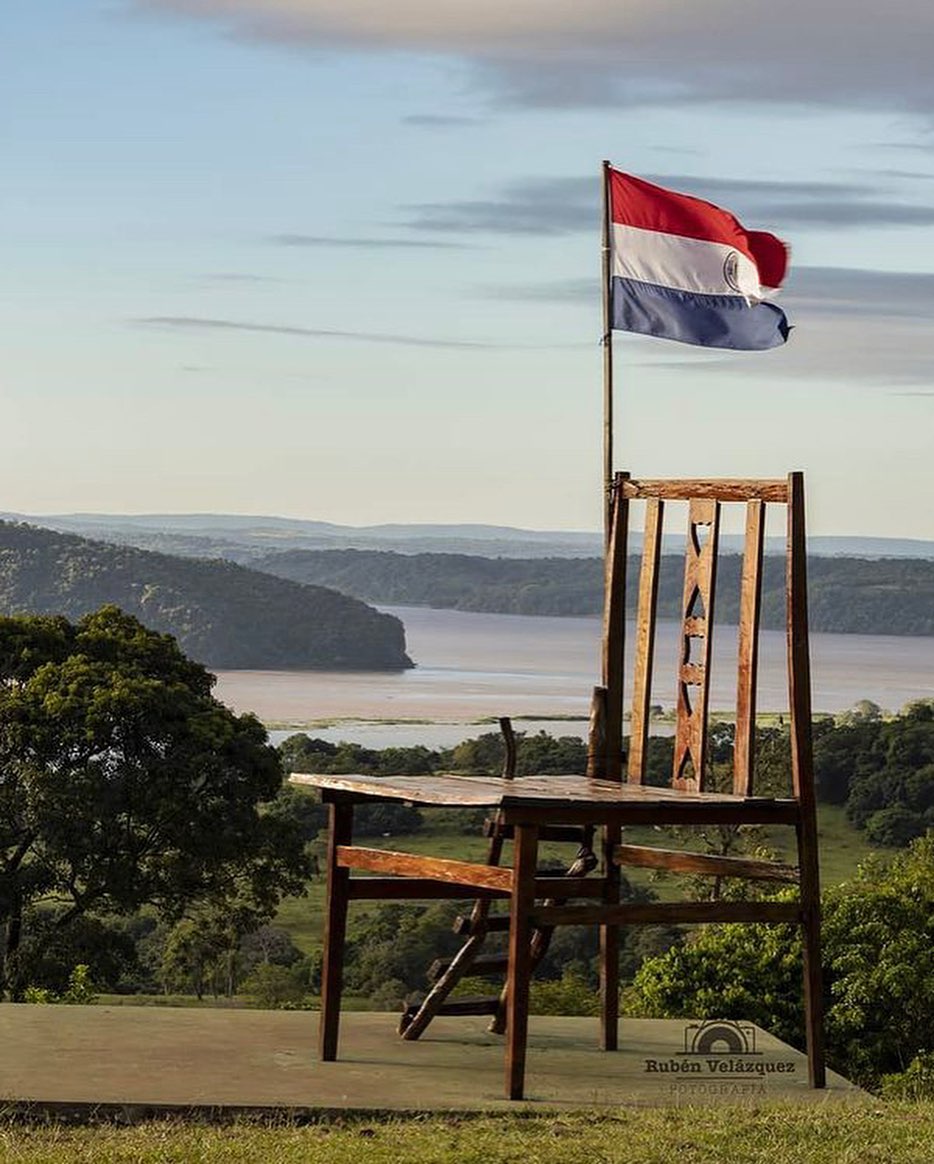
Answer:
(339, 259)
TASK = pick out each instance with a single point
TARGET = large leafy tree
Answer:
(124, 782)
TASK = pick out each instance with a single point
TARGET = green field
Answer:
(830, 1133)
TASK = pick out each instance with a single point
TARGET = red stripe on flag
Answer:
(635, 202)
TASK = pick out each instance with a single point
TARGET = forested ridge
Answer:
(222, 614)
(846, 595)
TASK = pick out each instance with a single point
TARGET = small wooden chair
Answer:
(614, 793)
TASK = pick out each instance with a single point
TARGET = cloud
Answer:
(845, 292)
(851, 325)
(438, 120)
(584, 52)
(236, 277)
(197, 323)
(569, 205)
(369, 244)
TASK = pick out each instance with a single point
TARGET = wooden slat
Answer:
(469, 1007)
(509, 744)
(484, 791)
(419, 889)
(750, 604)
(680, 810)
(609, 944)
(802, 768)
(694, 674)
(645, 640)
(799, 659)
(700, 570)
(677, 861)
(596, 735)
(445, 980)
(520, 959)
(614, 636)
(667, 913)
(340, 831)
(725, 489)
(410, 865)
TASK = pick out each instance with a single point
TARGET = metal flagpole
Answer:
(607, 360)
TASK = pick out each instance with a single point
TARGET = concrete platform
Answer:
(143, 1061)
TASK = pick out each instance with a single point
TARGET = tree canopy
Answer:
(878, 968)
(123, 782)
(222, 614)
(892, 596)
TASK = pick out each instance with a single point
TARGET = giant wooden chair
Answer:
(614, 794)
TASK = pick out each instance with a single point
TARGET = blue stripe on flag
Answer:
(712, 321)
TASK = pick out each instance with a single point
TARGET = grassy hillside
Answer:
(222, 614)
(847, 595)
(761, 1133)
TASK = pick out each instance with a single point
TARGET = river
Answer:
(540, 671)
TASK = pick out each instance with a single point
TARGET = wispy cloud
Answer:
(570, 205)
(237, 277)
(439, 120)
(198, 323)
(367, 244)
(585, 52)
(854, 325)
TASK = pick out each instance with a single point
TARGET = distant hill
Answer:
(243, 538)
(222, 614)
(846, 595)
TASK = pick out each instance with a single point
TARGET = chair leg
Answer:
(609, 947)
(520, 957)
(811, 947)
(340, 832)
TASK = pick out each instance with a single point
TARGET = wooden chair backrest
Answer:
(705, 500)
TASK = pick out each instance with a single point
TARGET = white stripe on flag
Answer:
(684, 264)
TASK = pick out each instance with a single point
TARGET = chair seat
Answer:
(571, 799)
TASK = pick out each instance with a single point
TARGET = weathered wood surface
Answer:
(750, 605)
(411, 865)
(678, 861)
(700, 573)
(614, 641)
(723, 489)
(645, 640)
(596, 735)
(679, 810)
(335, 932)
(520, 959)
(413, 1024)
(509, 745)
(492, 791)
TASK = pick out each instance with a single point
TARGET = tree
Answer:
(878, 967)
(123, 781)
